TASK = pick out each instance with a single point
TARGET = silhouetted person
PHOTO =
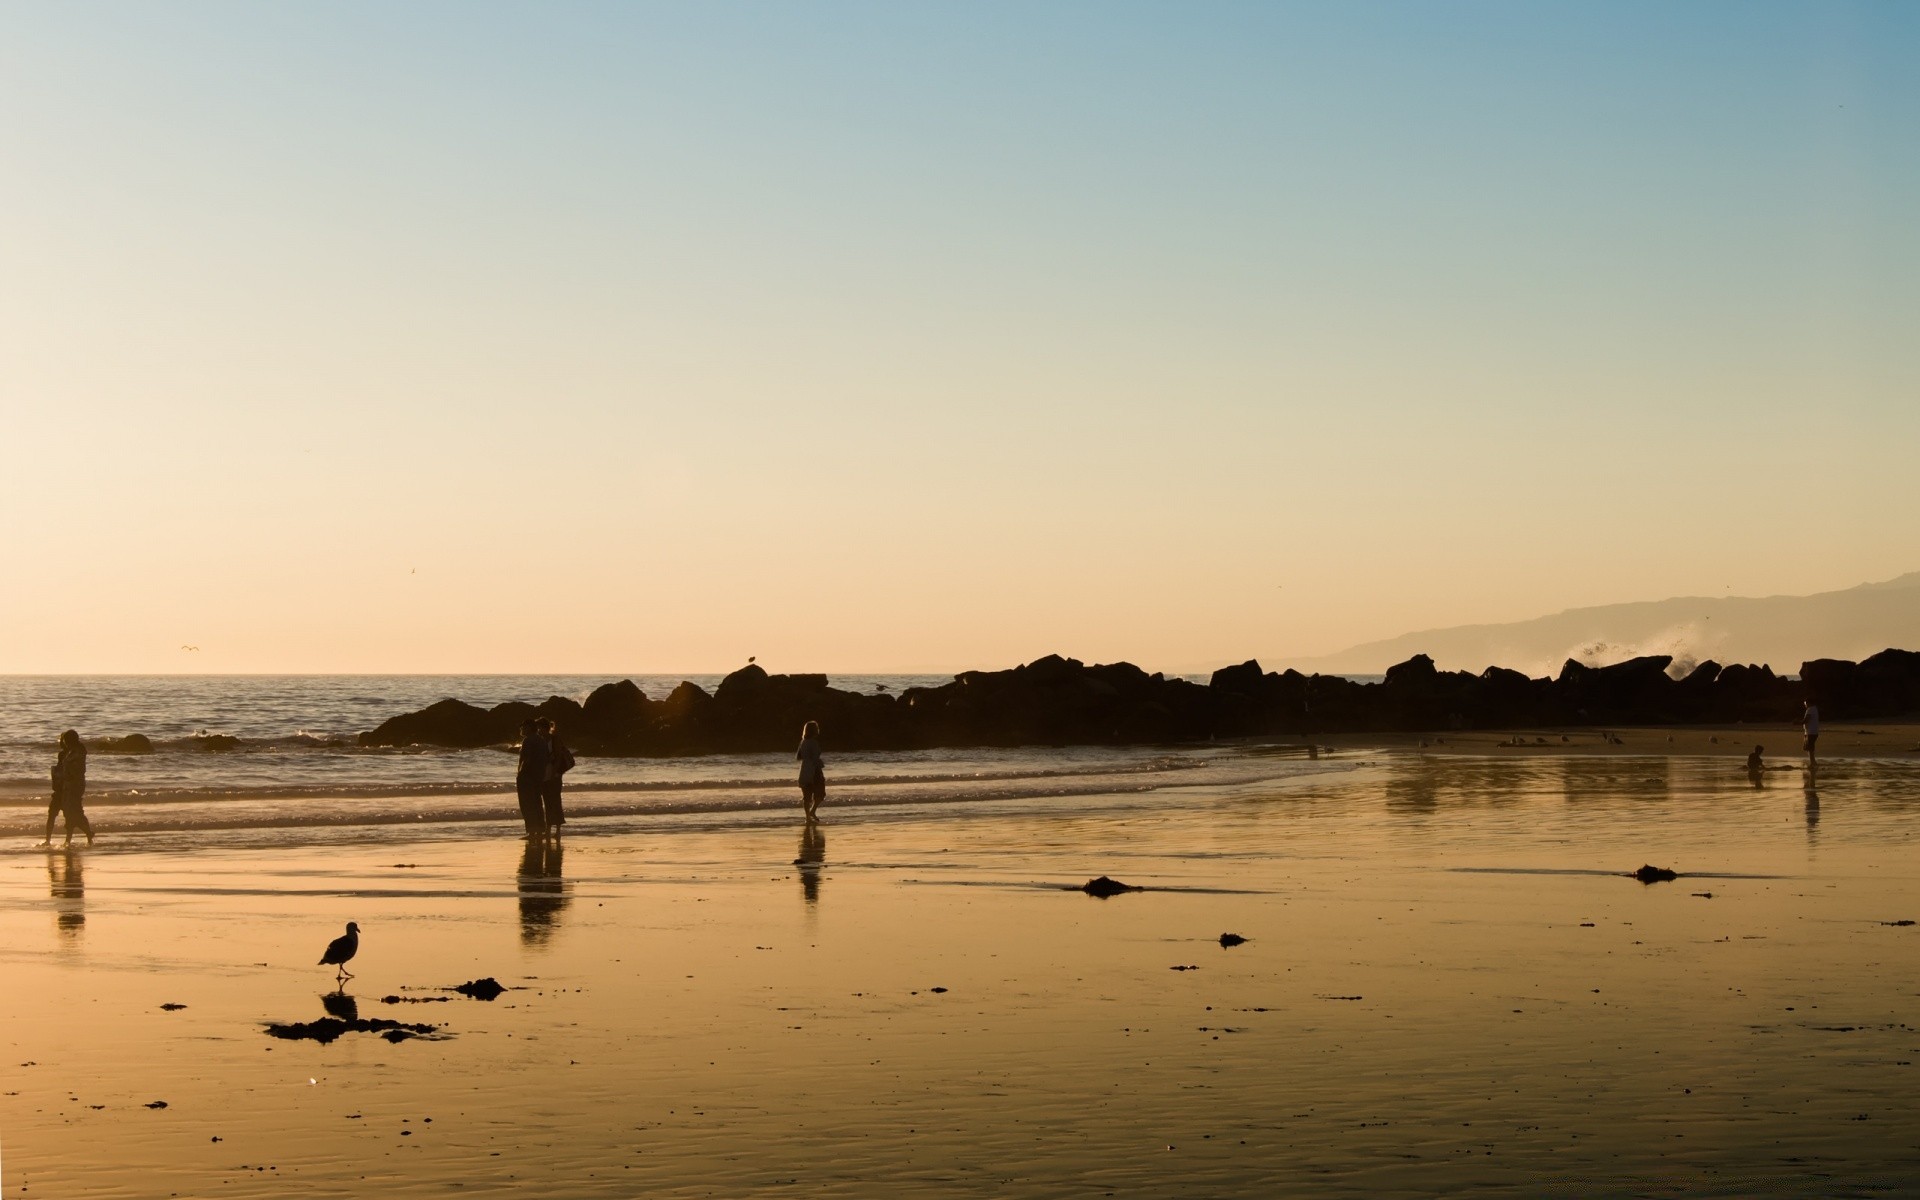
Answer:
(69, 891)
(813, 856)
(1754, 766)
(542, 890)
(69, 785)
(1810, 724)
(813, 776)
(559, 762)
(536, 753)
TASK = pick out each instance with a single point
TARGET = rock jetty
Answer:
(1062, 701)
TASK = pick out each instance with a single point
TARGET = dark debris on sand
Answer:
(1653, 874)
(1232, 939)
(480, 989)
(326, 1029)
(1104, 887)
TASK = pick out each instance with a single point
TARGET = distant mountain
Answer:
(1781, 631)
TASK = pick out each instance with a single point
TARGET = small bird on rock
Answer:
(341, 950)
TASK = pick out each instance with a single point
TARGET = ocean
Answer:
(249, 754)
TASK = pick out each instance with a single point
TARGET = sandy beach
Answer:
(1449, 985)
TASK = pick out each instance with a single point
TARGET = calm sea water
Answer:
(297, 763)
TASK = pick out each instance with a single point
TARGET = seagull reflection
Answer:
(339, 1004)
(542, 890)
(69, 892)
(813, 856)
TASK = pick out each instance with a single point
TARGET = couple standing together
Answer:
(544, 758)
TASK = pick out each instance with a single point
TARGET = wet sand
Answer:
(1450, 986)
(1873, 739)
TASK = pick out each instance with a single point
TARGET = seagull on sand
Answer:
(341, 949)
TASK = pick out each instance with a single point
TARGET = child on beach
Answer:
(813, 776)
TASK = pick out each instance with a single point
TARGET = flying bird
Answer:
(341, 950)
(189, 647)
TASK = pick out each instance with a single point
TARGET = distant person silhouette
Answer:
(69, 785)
(536, 753)
(1754, 766)
(813, 776)
(1810, 723)
(559, 762)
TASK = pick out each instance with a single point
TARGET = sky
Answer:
(646, 337)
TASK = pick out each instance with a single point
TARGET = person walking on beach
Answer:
(559, 762)
(536, 753)
(69, 784)
(813, 776)
(1810, 722)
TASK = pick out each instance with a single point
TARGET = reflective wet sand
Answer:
(1450, 986)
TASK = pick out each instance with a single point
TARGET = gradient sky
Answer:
(646, 337)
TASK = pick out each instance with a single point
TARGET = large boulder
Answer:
(444, 723)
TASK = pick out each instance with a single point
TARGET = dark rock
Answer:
(328, 1029)
(1416, 672)
(1245, 679)
(133, 743)
(171, 1007)
(156, 1104)
(444, 723)
(480, 989)
(747, 681)
(1232, 939)
(1104, 887)
(1653, 874)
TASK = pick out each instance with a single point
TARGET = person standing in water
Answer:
(536, 753)
(1810, 722)
(69, 785)
(559, 762)
(813, 776)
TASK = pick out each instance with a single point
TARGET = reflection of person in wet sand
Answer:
(542, 890)
(1813, 811)
(813, 856)
(813, 776)
(69, 785)
(68, 889)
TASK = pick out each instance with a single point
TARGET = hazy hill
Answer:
(1781, 631)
